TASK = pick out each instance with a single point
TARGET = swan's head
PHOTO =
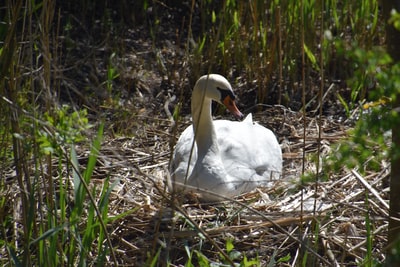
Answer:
(217, 88)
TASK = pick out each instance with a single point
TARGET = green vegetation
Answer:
(370, 140)
(73, 74)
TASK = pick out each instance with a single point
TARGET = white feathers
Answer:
(229, 157)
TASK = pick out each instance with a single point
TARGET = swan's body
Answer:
(228, 157)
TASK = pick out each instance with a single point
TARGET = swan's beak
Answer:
(231, 106)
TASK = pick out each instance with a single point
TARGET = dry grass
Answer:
(324, 220)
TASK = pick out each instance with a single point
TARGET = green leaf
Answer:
(155, 258)
(311, 57)
(202, 260)
(249, 263)
(344, 104)
(94, 152)
(229, 245)
(285, 258)
(14, 256)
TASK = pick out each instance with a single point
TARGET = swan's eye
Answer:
(225, 93)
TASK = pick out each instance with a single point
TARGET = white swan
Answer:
(229, 157)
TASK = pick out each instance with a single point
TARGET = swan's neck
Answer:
(205, 136)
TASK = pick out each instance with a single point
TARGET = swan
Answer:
(228, 158)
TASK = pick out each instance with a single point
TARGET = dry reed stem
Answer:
(340, 211)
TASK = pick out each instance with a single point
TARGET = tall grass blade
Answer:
(94, 153)
(154, 261)
(49, 233)
(311, 57)
(14, 257)
(76, 175)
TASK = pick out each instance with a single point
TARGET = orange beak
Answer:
(231, 106)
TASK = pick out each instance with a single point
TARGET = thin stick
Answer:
(370, 188)
(303, 100)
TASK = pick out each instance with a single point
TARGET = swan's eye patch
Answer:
(225, 93)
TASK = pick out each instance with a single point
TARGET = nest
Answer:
(326, 223)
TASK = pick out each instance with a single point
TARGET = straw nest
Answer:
(331, 221)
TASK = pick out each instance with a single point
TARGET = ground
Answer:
(329, 221)
(138, 83)
(267, 224)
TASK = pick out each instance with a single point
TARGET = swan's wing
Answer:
(180, 161)
(200, 179)
(249, 151)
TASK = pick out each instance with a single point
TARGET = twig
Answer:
(370, 188)
(328, 250)
(237, 228)
(362, 243)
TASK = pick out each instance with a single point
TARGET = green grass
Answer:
(63, 218)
